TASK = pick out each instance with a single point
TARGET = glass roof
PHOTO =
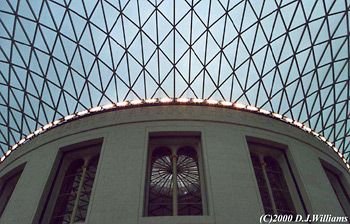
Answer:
(289, 57)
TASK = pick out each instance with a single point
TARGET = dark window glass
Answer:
(73, 199)
(188, 183)
(174, 182)
(272, 184)
(84, 194)
(68, 193)
(339, 190)
(160, 201)
(263, 188)
(7, 189)
(280, 192)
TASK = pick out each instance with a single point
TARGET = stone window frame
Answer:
(66, 155)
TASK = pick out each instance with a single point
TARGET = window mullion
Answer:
(174, 163)
(76, 202)
(174, 187)
(268, 184)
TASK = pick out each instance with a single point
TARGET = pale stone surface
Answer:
(118, 194)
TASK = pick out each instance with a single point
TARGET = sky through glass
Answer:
(289, 57)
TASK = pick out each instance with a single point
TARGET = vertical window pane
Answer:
(339, 190)
(280, 191)
(160, 197)
(7, 190)
(71, 191)
(84, 195)
(264, 191)
(188, 183)
(68, 193)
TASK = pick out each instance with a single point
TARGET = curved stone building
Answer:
(179, 112)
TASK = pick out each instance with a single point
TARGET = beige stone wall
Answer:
(232, 192)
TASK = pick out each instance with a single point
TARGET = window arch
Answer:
(174, 178)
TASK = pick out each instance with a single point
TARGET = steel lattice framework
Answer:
(289, 57)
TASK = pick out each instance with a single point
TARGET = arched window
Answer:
(174, 179)
(71, 191)
(275, 190)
